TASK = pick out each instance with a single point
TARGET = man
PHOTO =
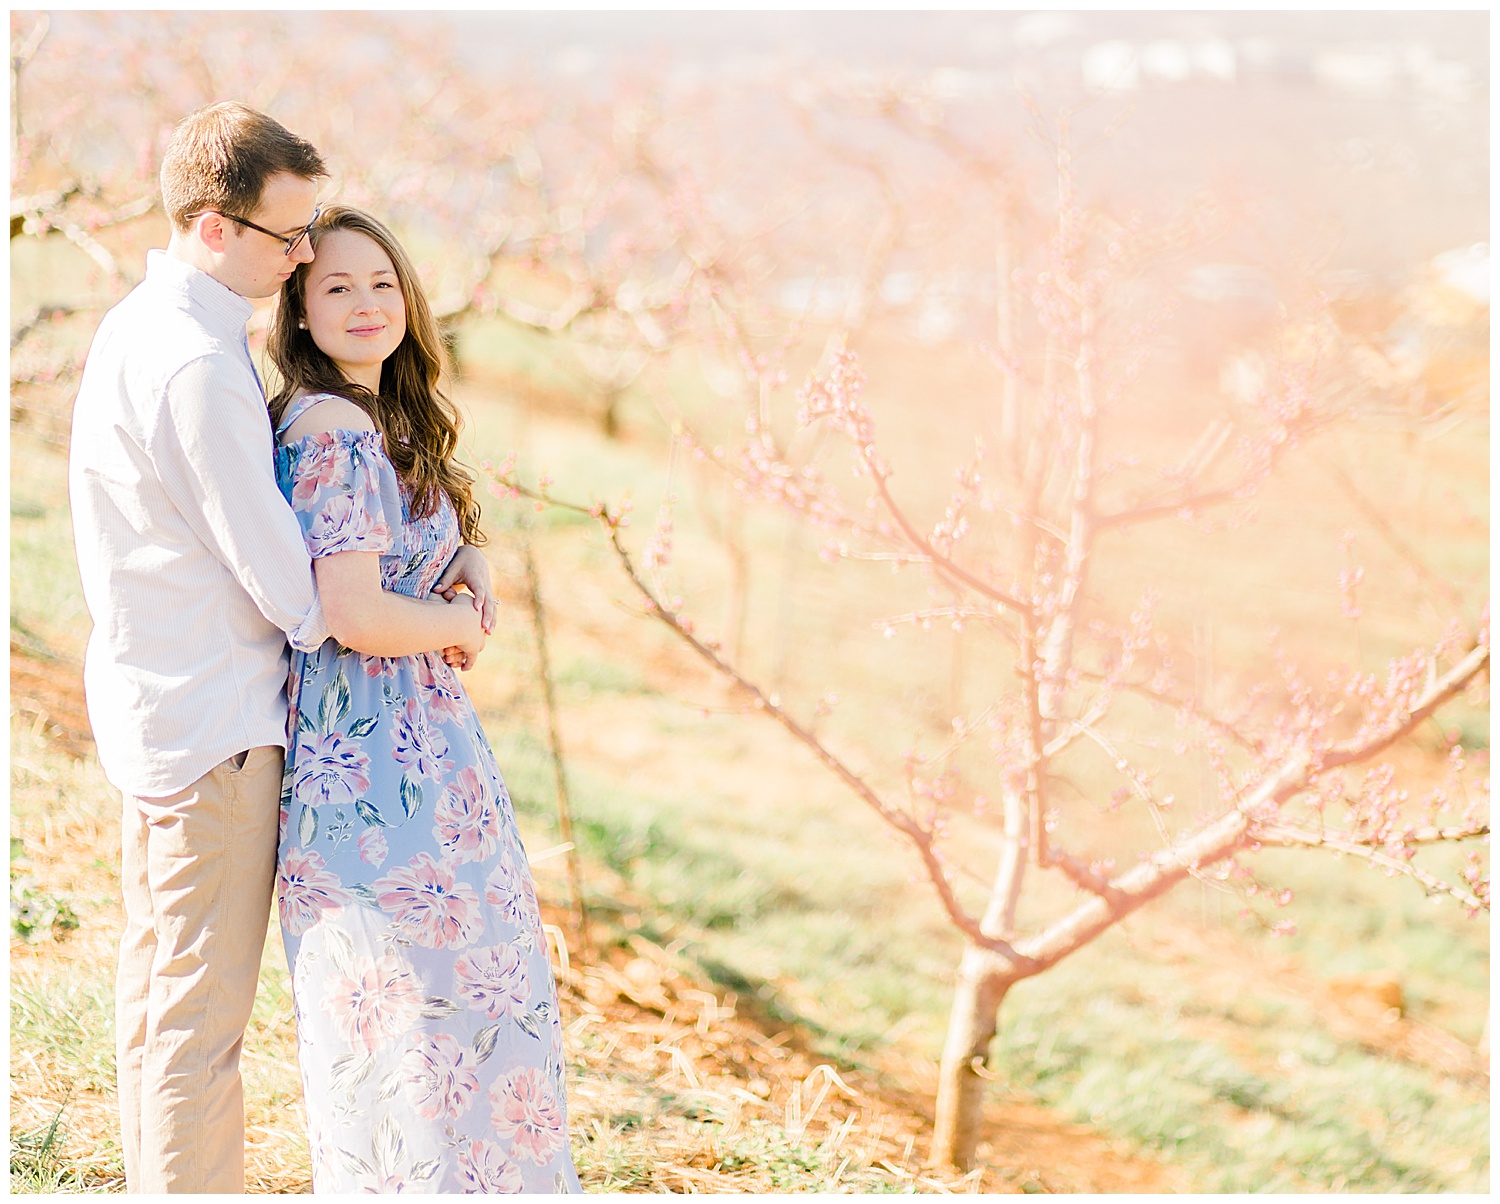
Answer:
(195, 574)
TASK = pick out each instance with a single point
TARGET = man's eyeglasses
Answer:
(290, 241)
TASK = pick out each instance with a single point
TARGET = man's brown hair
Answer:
(221, 157)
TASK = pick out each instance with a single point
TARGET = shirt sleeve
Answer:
(212, 450)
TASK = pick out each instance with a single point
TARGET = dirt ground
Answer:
(668, 1027)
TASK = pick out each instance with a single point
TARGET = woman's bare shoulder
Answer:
(328, 413)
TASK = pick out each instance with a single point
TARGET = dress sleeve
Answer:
(345, 493)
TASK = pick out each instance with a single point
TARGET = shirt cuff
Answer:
(313, 630)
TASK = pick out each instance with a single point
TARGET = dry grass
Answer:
(676, 1092)
(676, 1087)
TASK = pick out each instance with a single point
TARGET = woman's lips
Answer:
(365, 331)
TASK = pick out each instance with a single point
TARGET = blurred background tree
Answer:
(1131, 517)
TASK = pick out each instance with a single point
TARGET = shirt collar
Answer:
(220, 302)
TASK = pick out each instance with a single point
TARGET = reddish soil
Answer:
(656, 1002)
(49, 690)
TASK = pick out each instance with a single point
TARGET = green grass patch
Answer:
(1284, 1107)
(787, 892)
(36, 1158)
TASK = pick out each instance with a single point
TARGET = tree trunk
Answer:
(983, 980)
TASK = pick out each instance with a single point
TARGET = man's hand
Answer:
(469, 568)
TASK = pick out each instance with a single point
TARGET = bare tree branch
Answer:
(1289, 836)
(1231, 831)
(32, 321)
(920, 838)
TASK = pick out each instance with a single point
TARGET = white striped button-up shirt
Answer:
(193, 565)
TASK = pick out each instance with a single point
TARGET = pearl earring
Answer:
(301, 325)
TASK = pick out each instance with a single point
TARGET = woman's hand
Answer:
(465, 655)
(468, 567)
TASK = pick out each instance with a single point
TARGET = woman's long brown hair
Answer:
(418, 422)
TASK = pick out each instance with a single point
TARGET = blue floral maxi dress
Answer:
(427, 1022)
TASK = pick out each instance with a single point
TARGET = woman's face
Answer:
(355, 311)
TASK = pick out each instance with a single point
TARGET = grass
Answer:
(1247, 1097)
(640, 1121)
(35, 1159)
(1248, 1094)
(46, 598)
(853, 967)
(1186, 1036)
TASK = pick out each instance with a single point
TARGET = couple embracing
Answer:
(348, 777)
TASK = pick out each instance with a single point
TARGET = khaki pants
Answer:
(197, 874)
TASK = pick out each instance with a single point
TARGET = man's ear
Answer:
(212, 230)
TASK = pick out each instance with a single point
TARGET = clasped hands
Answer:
(470, 570)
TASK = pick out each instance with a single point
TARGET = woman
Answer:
(427, 1022)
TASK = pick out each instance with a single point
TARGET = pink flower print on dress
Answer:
(382, 1185)
(379, 666)
(506, 889)
(331, 770)
(305, 890)
(439, 1077)
(493, 980)
(484, 1169)
(532, 916)
(435, 909)
(420, 746)
(324, 461)
(346, 524)
(439, 688)
(382, 1002)
(525, 1113)
(321, 1145)
(466, 823)
(373, 849)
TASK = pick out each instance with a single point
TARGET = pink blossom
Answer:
(658, 550)
(373, 849)
(437, 910)
(439, 1076)
(384, 1000)
(305, 890)
(484, 1168)
(526, 1113)
(465, 818)
(1349, 580)
(494, 980)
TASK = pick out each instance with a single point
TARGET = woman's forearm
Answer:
(363, 616)
(397, 625)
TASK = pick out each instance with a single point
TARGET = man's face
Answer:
(255, 264)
